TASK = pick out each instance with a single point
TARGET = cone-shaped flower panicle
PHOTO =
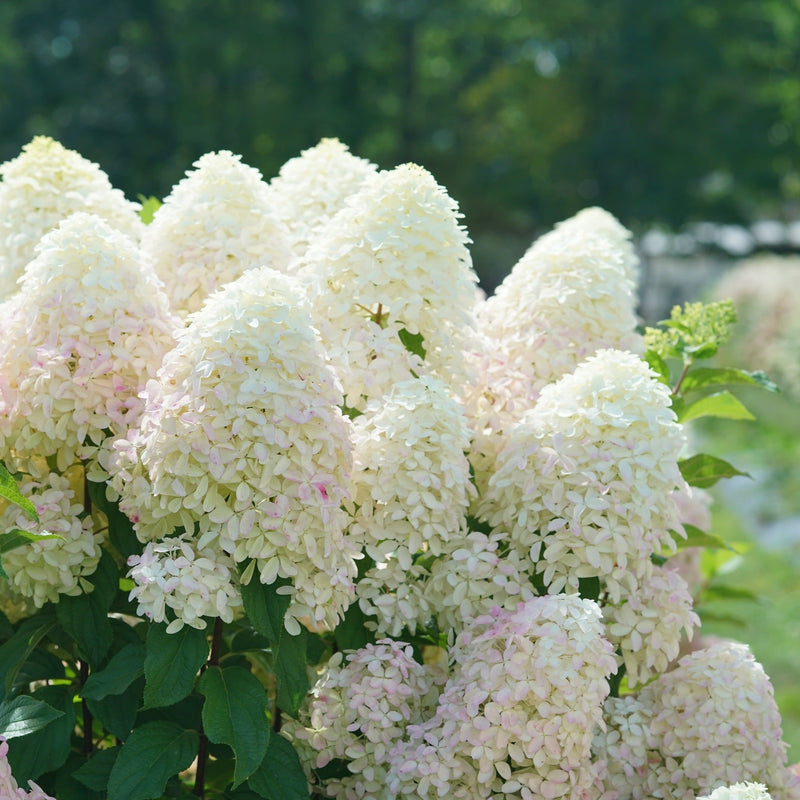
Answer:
(216, 223)
(81, 340)
(715, 723)
(571, 294)
(41, 187)
(526, 694)
(47, 568)
(191, 582)
(313, 186)
(242, 444)
(360, 709)
(412, 492)
(392, 286)
(584, 484)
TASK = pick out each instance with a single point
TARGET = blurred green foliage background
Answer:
(670, 111)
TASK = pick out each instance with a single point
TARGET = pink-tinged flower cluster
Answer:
(9, 790)
(518, 714)
(242, 444)
(359, 710)
(45, 569)
(191, 582)
(393, 260)
(41, 187)
(572, 293)
(412, 492)
(215, 224)
(311, 188)
(715, 722)
(82, 338)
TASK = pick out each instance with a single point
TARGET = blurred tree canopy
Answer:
(667, 111)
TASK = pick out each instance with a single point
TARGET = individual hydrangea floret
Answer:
(359, 710)
(47, 568)
(216, 223)
(243, 444)
(584, 484)
(412, 492)
(311, 188)
(191, 582)
(88, 330)
(41, 187)
(392, 285)
(9, 789)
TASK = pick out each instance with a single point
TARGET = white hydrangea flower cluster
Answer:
(216, 223)
(41, 187)
(359, 709)
(242, 444)
(9, 789)
(193, 582)
(47, 568)
(311, 188)
(520, 708)
(739, 791)
(412, 492)
(393, 260)
(715, 722)
(88, 330)
(584, 488)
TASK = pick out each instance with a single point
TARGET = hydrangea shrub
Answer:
(289, 509)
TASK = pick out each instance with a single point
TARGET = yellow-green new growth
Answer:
(697, 329)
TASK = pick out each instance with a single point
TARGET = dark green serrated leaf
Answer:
(721, 404)
(67, 788)
(46, 749)
(11, 540)
(15, 652)
(24, 715)
(151, 755)
(703, 470)
(280, 776)
(265, 608)
(187, 713)
(94, 774)
(85, 617)
(412, 342)
(291, 678)
(235, 713)
(41, 665)
(350, 633)
(6, 628)
(10, 491)
(172, 663)
(117, 712)
(716, 376)
(120, 528)
(123, 668)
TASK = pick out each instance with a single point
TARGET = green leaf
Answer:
(117, 712)
(718, 591)
(95, 772)
(412, 342)
(67, 788)
(15, 652)
(41, 665)
(703, 470)
(280, 776)
(350, 633)
(11, 540)
(172, 663)
(714, 376)
(151, 755)
(85, 616)
(48, 748)
(658, 365)
(235, 713)
(10, 491)
(149, 207)
(721, 404)
(120, 672)
(24, 715)
(697, 538)
(265, 608)
(291, 678)
(120, 528)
